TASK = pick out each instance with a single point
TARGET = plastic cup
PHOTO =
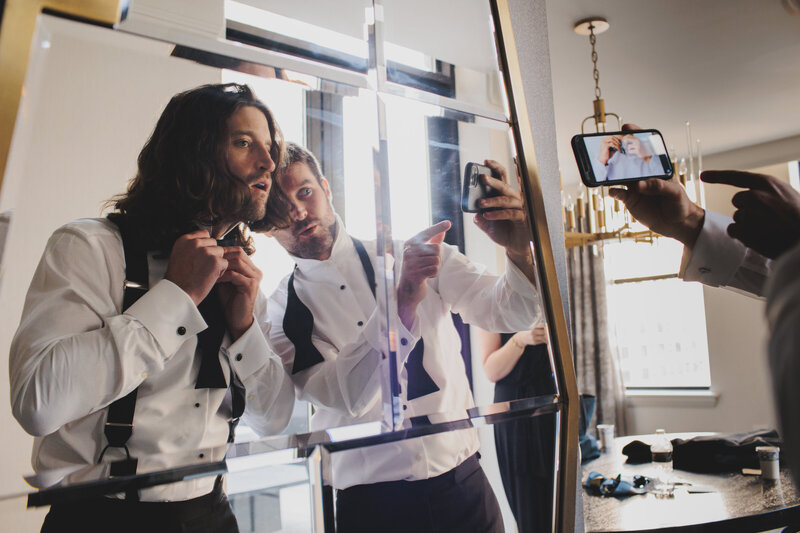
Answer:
(770, 465)
(605, 434)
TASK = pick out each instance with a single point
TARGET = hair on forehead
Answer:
(295, 153)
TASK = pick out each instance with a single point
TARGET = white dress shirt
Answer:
(75, 353)
(345, 388)
(718, 260)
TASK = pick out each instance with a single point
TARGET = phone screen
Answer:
(626, 156)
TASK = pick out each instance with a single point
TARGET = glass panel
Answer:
(392, 386)
(446, 52)
(330, 33)
(480, 333)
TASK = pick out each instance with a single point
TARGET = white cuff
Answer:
(716, 256)
(250, 352)
(169, 314)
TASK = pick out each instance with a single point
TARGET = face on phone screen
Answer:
(621, 157)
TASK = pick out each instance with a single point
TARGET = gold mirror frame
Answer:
(569, 401)
(18, 26)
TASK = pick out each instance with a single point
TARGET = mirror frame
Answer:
(16, 34)
(569, 401)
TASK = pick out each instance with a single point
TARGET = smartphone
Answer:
(474, 189)
(617, 157)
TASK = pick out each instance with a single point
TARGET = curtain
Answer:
(595, 364)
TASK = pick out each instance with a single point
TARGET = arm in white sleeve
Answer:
(783, 317)
(719, 260)
(74, 352)
(501, 304)
(269, 392)
(348, 380)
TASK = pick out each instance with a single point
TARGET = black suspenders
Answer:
(298, 324)
(119, 422)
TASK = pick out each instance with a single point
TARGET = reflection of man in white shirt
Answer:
(627, 156)
(416, 484)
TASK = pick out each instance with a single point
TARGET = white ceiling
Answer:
(731, 67)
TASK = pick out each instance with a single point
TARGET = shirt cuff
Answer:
(517, 280)
(250, 352)
(405, 342)
(169, 314)
(716, 256)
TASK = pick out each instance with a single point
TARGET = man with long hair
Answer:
(102, 373)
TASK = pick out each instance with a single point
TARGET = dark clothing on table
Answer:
(207, 514)
(526, 447)
(459, 500)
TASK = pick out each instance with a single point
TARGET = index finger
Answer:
(737, 178)
(497, 167)
(498, 185)
(432, 231)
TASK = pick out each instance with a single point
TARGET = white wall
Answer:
(76, 143)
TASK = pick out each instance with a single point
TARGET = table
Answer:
(737, 502)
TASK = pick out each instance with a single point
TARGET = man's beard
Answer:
(254, 209)
(316, 246)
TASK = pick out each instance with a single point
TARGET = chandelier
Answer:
(592, 217)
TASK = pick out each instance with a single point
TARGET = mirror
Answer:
(394, 153)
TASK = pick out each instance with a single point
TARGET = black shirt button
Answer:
(239, 357)
(181, 330)
(197, 405)
(341, 287)
(360, 322)
(201, 455)
(405, 407)
(403, 341)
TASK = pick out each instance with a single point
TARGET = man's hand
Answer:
(664, 207)
(238, 290)
(422, 256)
(505, 225)
(767, 217)
(195, 264)
(608, 147)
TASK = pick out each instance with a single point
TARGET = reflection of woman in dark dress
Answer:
(519, 364)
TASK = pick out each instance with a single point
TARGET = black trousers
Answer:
(207, 514)
(460, 500)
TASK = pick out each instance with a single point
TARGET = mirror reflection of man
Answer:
(100, 373)
(627, 156)
(326, 328)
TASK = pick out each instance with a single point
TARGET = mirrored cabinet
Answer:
(413, 133)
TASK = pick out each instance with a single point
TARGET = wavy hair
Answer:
(183, 181)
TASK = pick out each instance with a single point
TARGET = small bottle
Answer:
(661, 454)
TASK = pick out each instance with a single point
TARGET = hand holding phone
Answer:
(474, 189)
(620, 157)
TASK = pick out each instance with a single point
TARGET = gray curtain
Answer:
(595, 364)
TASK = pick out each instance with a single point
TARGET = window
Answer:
(656, 321)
